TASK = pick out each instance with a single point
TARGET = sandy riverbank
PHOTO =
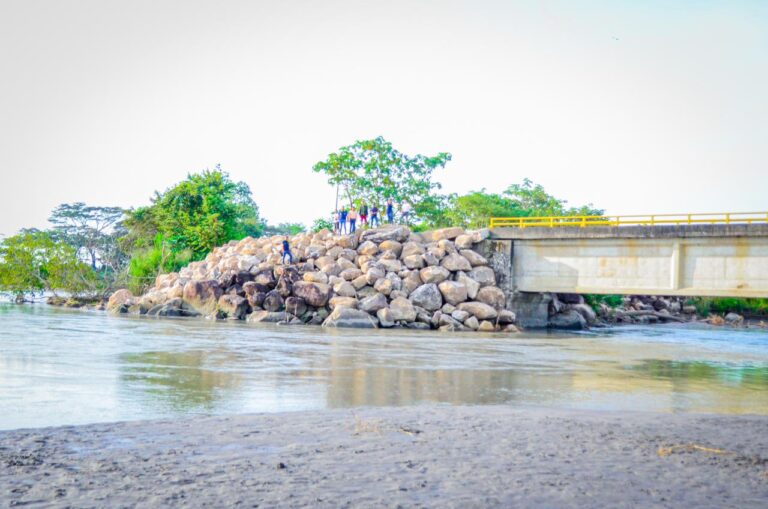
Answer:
(417, 456)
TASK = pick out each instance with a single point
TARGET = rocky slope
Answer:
(386, 277)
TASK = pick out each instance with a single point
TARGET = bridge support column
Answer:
(530, 308)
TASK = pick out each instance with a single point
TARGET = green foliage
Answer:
(722, 305)
(322, 224)
(474, 210)
(93, 231)
(372, 171)
(146, 263)
(35, 261)
(612, 301)
(204, 211)
(284, 229)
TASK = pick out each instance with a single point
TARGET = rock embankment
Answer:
(386, 277)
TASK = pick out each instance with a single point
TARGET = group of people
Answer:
(346, 219)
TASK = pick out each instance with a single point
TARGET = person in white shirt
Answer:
(405, 211)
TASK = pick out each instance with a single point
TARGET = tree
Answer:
(474, 209)
(34, 261)
(533, 200)
(202, 212)
(91, 230)
(321, 224)
(372, 171)
(284, 229)
(186, 222)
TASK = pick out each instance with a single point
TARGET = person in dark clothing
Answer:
(343, 220)
(374, 216)
(363, 215)
(390, 211)
(287, 252)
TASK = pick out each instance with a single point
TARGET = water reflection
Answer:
(69, 367)
(191, 380)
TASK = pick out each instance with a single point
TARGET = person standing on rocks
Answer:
(363, 215)
(405, 211)
(343, 220)
(336, 219)
(374, 216)
(287, 252)
(390, 211)
(352, 219)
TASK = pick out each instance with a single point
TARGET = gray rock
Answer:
(453, 292)
(233, 306)
(273, 301)
(475, 259)
(479, 309)
(350, 318)
(472, 286)
(493, 296)
(385, 318)
(460, 315)
(402, 310)
(427, 296)
(570, 319)
(295, 306)
(472, 323)
(373, 303)
(314, 294)
(269, 317)
(433, 275)
(483, 275)
(455, 262)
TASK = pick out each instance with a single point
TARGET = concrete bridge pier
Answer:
(531, 308)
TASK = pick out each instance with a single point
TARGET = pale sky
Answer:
(637, 107)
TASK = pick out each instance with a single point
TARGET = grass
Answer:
(723, 305)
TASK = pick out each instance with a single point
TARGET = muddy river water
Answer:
(61, 366)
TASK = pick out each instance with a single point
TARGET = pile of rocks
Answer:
(571, 311)
(385, 277)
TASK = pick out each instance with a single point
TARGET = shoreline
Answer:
(436, 455)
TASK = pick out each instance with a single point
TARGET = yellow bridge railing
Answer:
(637, 220)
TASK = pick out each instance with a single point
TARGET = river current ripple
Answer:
(60, 367)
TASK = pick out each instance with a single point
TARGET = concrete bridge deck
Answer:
(690, 260)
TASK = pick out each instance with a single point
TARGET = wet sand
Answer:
(428, 456)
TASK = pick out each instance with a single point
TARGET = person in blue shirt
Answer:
(343, 220)
(287, 252)
(390, 211)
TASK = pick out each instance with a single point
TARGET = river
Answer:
(60, 367)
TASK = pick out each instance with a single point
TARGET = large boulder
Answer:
(345, 289)
(295, 306)
(464, 241)
(316, 277)
(385, 317)
(120, 301)
(455, 262)
(411, 282)
(453, 291)
(368, 248)
(475, 259)
(402, 310)
(379, 235)
(570, 319)
(352, 318)
(342, 302)
(483, 275)
(391, 245)
(373, 303)
(415, 261)
(273, 301)
(446, 234)
(233, 306)
(493, 296)
(427, 296)
(202, 296)
(472, 286)
(434, 274)
(314, 294)
(584, 310)
(411, 249)
(479, 310)
(269, 317)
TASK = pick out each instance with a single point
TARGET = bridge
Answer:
(722, 255)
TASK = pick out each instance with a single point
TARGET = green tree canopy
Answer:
(202, 212)
(34, 261)
(93, 231)
(373, 170)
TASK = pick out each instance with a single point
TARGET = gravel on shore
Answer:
(427, 456)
